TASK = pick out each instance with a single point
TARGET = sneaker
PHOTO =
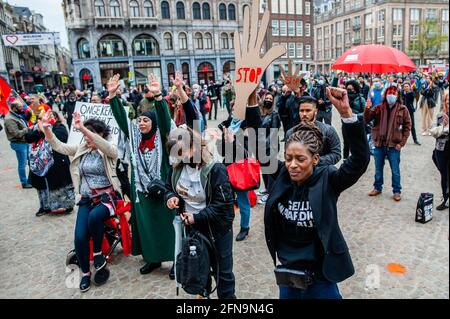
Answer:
(42, 212)
(263, 199)
(101, 276)
(99, 262)
(25, 186)
(242, 234)
(374, 192)
(424, 133)
(262, 192)
(85, 283)
(443, 205)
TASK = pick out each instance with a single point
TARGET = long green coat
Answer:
(151, 220)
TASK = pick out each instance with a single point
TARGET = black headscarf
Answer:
(151, 115)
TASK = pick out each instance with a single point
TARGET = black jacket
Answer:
(323, 195)
(59, 174)
(320, 93)
(408, 100)
(219, 198)
(429, 94)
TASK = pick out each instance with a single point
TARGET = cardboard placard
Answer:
(250, 65)
(292, 79)
(102, 112)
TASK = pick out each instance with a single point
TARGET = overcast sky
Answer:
(52, 12)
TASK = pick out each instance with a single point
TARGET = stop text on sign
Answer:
(248, 75)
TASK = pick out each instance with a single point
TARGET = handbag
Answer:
(245, 174)
(424, 209)
(299, 279)
(156, 188)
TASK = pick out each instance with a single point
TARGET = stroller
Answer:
(117, 230)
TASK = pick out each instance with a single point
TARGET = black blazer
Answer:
(323, 195)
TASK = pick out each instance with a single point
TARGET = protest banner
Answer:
(21, 39)
(101, 112)
(292, 79)
(250, 65)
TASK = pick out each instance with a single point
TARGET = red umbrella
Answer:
(374, 58)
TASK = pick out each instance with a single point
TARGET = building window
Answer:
(381, 31)
(229, 67)
(196, 12)
(168, 41)
(111, 46)
(170, 72)
(397, 30)
(180, 11)
(397, 14)
(291, 28)
(99, 8)
(206, 73)
(368, 35)
(431, 14)
(165, 10)
(307, 29)
(381, 15)
(208, 41)
(274, 7)
(182, 39)
(444, 23)
(206, 11)
(292, 50)
(283, 28)
(397, 45)
(299, 28)
(134, 8)
(307, 8)
(224, 41)
(222, 11)
(232, 12)
(84, 51)
(275, 28)
(308, 51)
(414, 15)
(282, 6)
(198, 39)
(299, 50)
(148, 9)
(232, 40)
(284, 44)
(145, 45)
(115, 8)
(368, 20)
(185, 71)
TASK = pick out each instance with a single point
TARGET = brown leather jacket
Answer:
(402, 125)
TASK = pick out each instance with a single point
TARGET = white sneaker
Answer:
(261, 192)
(424, 133)
(263, 199)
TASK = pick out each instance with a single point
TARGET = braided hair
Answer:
(309, 135)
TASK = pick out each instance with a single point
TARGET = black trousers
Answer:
(413, 126)
(214, 106)
(123, 178)
(441, 160)
(323, 116)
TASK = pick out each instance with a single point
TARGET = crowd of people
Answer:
(301, 228)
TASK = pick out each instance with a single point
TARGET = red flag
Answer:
(5, 91)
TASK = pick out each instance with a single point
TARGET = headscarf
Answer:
(152, 116)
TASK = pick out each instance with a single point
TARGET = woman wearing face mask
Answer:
(200, 189)
(408, 97)
(300, 217)
(390, 133)
(427, 103)
(151, 221)
(93, 171)
(357, 104)
(271, 123)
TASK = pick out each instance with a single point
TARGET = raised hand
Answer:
(250, 66)
(77, 122)
(113, 85)
(369, 103)
(178, 81)
(292, 79)
(339, 98)
(47, 119)
(153, 84)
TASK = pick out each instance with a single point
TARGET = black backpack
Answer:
(193, 271)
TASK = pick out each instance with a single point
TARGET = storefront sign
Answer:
(21, 39)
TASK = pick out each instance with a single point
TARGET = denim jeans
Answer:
(90, 223)
(318, 290)
(224, 246)
(244, 208)
(22, 153)
(393, 155)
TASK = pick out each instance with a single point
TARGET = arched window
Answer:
(222, 11)
(229, 67)
(99, 8)
(84, 51)
(185, 71)
(198, 41)
(180, 11)
(165, 10)
(134, 8)
(114, 6)
(196, 13)
(224, 41)
(168, 41)
(206, 11)
(205, 73)
(232, 12)
(208, 41)
(145, 45)
(170, 72)
(148, 9)
(182, 39)
(110, 46)
(86, 79)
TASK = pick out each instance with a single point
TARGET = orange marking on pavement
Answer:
(396, 268)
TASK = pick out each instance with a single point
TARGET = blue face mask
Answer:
(377, 85)
(391, 99)
(320, 82)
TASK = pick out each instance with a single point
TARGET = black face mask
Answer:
(352, 95)
(267, 104)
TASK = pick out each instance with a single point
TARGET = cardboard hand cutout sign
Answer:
(250, 66)
(292, 80)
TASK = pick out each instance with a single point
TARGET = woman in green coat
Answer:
(151, 220)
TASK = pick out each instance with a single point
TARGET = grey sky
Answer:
(52, 12)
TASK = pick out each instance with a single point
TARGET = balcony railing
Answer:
(356, 26)
(356, 41)
(109, 22)
(77, 24)
(138, 22)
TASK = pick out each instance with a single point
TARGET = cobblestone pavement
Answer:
(378, 231)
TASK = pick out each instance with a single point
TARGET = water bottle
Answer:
(193, 251)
